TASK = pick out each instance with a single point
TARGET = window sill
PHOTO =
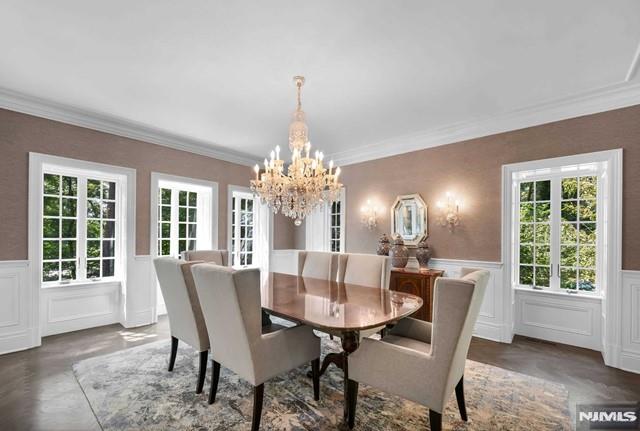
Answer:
(80, 284)
(596, 297)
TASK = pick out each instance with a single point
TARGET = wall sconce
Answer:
(370, 215)
(449, 212)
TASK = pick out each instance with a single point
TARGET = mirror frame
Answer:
(396, 204)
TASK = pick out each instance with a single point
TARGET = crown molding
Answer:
(607, 98)
(68, 114)
(620, 95)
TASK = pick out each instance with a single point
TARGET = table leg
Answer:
(350, 343)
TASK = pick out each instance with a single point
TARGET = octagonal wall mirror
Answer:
(409, 219)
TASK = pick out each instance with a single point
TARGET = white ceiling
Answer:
(218, 73)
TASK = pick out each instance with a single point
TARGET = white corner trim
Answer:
(607, 98)
(107, 123)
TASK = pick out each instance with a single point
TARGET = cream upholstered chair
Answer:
(183, 307)
(219, 257)
(364, 269)
(420, 361)
(318, 264)
(368, 270)
(239, 342)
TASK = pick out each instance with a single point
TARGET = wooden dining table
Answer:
(339, 309)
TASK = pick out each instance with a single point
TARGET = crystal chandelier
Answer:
(306, 183)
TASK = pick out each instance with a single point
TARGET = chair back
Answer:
(232, 311)
(457, 303)
(219, 257)
(318, 264)
(181, 299)
(364, 269)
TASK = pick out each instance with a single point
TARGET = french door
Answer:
(558, 232)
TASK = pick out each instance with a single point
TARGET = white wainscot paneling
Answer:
(284, 261)
(630, 352)
(491, 322)
(18, 327)
(140, 293)
(559, 317)
(74, 307)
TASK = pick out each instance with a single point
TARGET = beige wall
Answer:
(472, 170)
(283, 233)
(20, 134)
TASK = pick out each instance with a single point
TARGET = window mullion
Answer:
(81, 232)
(556, 195)
(236, 221)
(173, 247)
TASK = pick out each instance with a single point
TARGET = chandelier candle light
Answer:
(306, 183)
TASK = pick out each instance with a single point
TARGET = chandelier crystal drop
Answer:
(298, 189)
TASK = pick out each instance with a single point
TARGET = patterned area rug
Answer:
(132, 390)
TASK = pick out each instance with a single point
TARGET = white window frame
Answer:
(318, 226)
(342, 226)
(207, 237)
(242, 192)
(262, 228)
(39, 164)
(555, 175)
(609, 216)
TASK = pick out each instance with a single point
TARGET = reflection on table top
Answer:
(331, 305)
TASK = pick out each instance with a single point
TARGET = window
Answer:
(335, 227)
(177, 220)
(558, 228)
(242, 229)
(325, 226)
(79, 227)
(535, 233)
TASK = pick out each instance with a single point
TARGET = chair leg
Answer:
(174, 351)
(202, 372)
(460, 397)
(435, 420)
(315, 374)
(352, 400)
(258, 393)
(215, 376)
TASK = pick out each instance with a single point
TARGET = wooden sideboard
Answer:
(417, 282)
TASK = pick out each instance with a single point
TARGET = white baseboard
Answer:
(139, 318)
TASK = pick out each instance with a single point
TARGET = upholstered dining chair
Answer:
(183, 307)
(318, 264)
(238, 340)
(420, 361)
(219, 257)
(364, 269)
(368, 270)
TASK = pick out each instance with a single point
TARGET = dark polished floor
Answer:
(39, 392)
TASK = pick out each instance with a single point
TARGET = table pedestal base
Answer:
(350, 343)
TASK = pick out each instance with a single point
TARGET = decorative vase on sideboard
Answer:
(384, 245)
(399, 253)
(423, 254)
